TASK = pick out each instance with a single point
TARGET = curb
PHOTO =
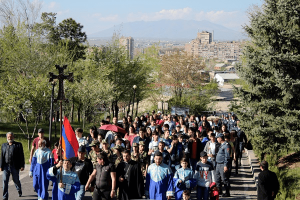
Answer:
(254, 164)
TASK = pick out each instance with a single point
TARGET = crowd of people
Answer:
(159, 157)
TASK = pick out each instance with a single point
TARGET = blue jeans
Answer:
(202, 193)
(7, 170)
(193, 163)
(80, 194)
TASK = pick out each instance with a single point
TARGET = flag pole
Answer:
(61, 97)
(61, 139)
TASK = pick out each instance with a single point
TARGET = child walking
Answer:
(204, 176)
(183, 179)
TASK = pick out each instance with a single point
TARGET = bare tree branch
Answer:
(21, 11)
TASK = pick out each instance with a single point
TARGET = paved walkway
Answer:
(242, 185)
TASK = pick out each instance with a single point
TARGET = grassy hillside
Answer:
(20, 137)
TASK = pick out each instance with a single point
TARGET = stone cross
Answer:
(61, 77)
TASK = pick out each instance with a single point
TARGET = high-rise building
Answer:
(128, 43)
(205, 37)
(204, 46)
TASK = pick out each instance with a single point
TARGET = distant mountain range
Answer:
(170, 29)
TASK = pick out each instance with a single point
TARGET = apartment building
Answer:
(128, 43)
(204, 46)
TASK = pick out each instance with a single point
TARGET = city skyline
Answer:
(96, 16)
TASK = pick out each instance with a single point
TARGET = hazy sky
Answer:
(97, 15)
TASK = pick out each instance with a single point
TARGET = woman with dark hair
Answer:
(176, 120)
(130, 136)
(93, 136)
(181, 122)
(138, 121)
(202, 127)
(129, 119)
(224, 129)
(148, 132)
(158, 130)
(125, 124)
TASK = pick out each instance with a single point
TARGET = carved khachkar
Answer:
(61, 77)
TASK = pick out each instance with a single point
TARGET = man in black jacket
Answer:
(83, 167)
(129, 178)
(268, 185)
(12, 160)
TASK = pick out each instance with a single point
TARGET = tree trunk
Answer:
(78, 114)
(57, 116)
(128, 110)
(83, 120)
(116, 109)
(72, 111)
(112, 109)
(137, 106)
(29, 142)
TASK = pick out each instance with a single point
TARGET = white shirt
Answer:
(212, 148)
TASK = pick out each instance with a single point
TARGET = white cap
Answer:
(159, 112)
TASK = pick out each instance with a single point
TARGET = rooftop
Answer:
(228, 76)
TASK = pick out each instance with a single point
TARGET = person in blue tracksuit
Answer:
(70, 181)
(42, 160)
(183, 179)
(159, 180)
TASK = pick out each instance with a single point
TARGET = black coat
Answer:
(200, 148)
(267, 182)
(133, 187)
(18, 155)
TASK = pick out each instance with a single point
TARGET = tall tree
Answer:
(270, 107)
(68, 32)
(179, 71)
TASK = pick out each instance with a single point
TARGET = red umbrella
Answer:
(114, 128)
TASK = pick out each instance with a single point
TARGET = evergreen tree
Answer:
(270, 104)
(67, 32)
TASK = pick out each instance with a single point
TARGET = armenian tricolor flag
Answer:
(69, 140)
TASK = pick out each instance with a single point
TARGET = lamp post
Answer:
(51, 110)
(134, 89)
(182, 84)
(162, 104)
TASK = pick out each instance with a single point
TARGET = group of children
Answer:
(203, 177)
